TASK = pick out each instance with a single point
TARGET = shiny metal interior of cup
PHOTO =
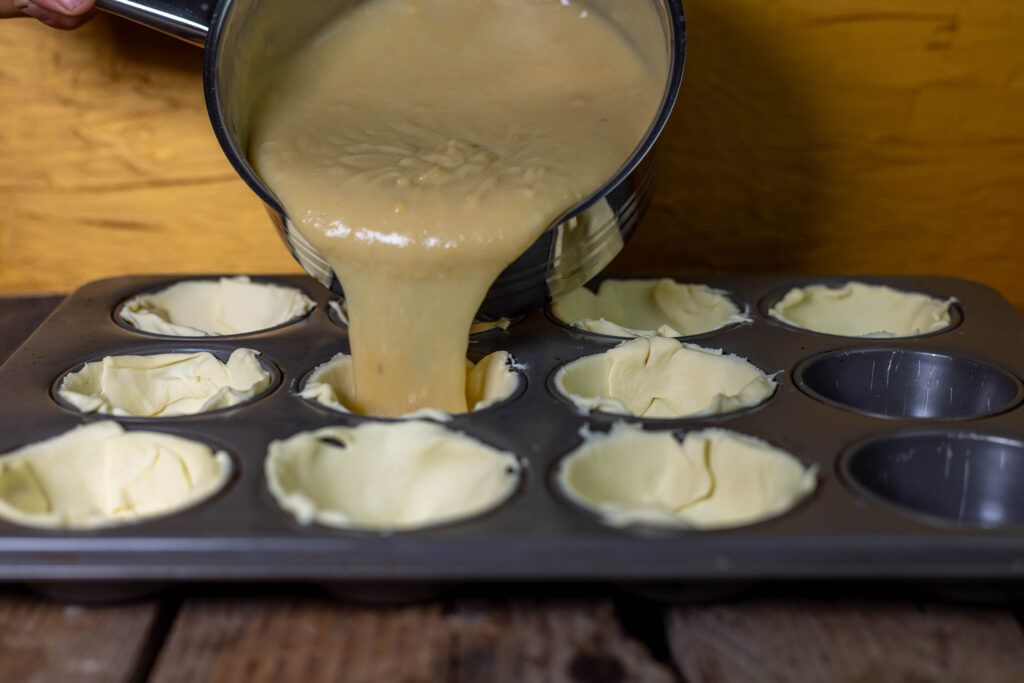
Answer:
(247, 41)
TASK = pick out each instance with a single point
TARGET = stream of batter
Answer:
(422, 145)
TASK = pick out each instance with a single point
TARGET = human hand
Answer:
(57, 13)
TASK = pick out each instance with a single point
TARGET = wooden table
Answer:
(498, 633)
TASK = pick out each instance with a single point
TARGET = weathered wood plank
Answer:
(42, 641)
(824, 641)
(307, 639)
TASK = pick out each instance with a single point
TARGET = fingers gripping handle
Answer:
(188, 20)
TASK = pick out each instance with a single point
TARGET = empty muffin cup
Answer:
(857, 309)
(164, 384)
(908, 383)
(710, 479)
(647, 308)
(99, 475)
(388, 476)
(948, 477)
(490, 381)
(657, 377)
(200, 308)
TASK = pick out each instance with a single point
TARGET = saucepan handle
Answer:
(188, 20)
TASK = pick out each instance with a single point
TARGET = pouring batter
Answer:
(421, 146)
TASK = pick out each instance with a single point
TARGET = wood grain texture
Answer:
(844, 137)
(845, 642)
(109, 166)
(284, 639)
(855, 136)
(43, 641)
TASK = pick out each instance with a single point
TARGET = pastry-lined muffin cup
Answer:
(661, 378)
(490, 382)
(203, 307)
(855, 309)
(86, 382)
(388, 476)
(100, 475)
(707, 479)
(647, 307)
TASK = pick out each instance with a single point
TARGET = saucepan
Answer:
(243, 40)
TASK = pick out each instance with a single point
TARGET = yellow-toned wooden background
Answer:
(838, 136)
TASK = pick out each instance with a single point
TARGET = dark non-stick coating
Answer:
(930, 515)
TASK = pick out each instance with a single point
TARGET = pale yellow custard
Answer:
(478, 326)
(490, 381)
(422, 146)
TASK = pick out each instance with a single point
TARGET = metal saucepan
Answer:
(244, 39)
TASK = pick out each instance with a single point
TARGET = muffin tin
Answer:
(919, 445)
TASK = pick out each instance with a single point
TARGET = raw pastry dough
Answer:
(387, 476)
(490, 381)
(648, 308)
(712, 478)
(200, 308)
(99, 474)
(165, 384)
(861, 310)
(661, 377)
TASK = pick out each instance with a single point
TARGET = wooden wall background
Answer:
(847, 136)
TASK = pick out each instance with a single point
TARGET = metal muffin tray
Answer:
(919, 445)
